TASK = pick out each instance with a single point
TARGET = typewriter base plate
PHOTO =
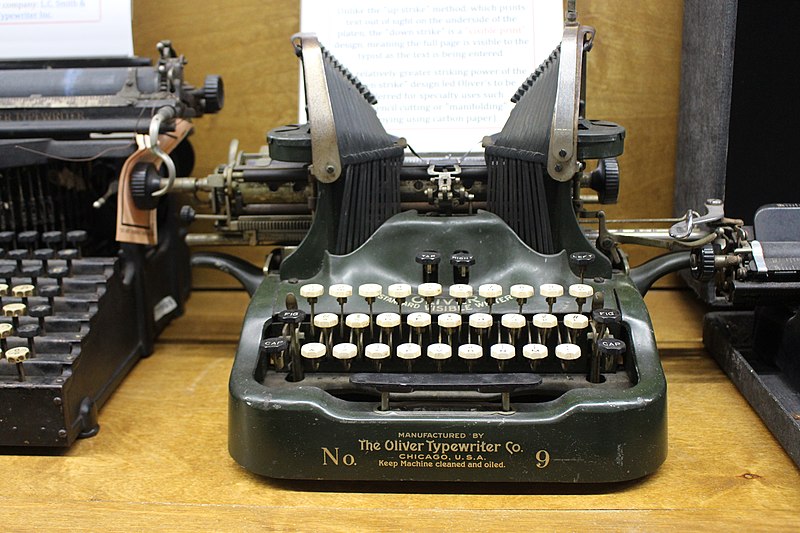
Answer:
(728, 336)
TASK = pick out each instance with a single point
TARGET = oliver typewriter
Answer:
(442, 319)
(79, 308)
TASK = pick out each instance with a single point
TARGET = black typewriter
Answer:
(79, 308)
(442, 319)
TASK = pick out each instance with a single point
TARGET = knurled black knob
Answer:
(213, 94)
(605, 180)
(701, 263)
(145, 180)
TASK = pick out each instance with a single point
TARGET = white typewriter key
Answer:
(521, 292)
(567, 352)
(581, 293)
(576, 321)
(470, 353)
(357, 320)
(480, 320)
(313, 351)
(312, 290)
(399, 291)
(534, 353)
(490, 292)
(544, 322)
(387, 320)
(340, 290)
(449, 320)
(369, 290)
(345, 352)
(460, 290)
(326, 320)
(502, 352)
(377, 351)
(419, 320)
(551, 292)
(479, 326)
(439, 352)
(429, 291)
(514, 323)
(408, 352)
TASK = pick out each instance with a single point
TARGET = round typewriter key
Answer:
(460, 290)
(439, 352)
(480, 320)
(29, 331)
(428, 290)
(408, 352)
(377, 351)
(326, 320)
(551, 290)
(291, 316)
(611, 347)
(399, 290)
(312, 290)
(17, 356)
(419, 320)
(568, 351)
(429, 259)
(15, 311)
(369, 290)
(340, 290)
(521, 291)
(388, 320)
(23, 291)
(604, 318)
(534, 352)
(502, 352)
(274, 348)
(314, 352)
(345, 352)
(461, 260)
(544, 320)
(576, 321)
(512, 321)
(357, 320)
(581, 293)
(490, 290)
(470, 352)
(448, 320)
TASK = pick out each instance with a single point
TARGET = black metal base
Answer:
(759, 359)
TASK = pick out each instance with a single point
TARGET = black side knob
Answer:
(701, 263)
(213, 94)
(145, 180)
(605, 180)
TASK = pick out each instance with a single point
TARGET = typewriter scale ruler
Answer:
(410, 404)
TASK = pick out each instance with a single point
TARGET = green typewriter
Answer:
(441, 319)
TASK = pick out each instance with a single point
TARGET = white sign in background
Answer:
(443, 72)
(36, 29)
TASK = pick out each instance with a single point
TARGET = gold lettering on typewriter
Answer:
(436, 450)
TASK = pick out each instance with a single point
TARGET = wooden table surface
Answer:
(161, 462)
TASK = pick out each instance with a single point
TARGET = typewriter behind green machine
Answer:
(442, 319)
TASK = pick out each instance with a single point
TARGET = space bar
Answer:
(409, 382)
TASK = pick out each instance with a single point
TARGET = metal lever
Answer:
(683, 229)
(165, 113)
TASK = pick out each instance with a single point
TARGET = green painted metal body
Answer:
(319, 428)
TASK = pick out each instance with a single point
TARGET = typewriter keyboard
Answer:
(49, 293)
(452, 335)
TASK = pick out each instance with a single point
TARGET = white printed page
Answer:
(37, 29)
(443, 71)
